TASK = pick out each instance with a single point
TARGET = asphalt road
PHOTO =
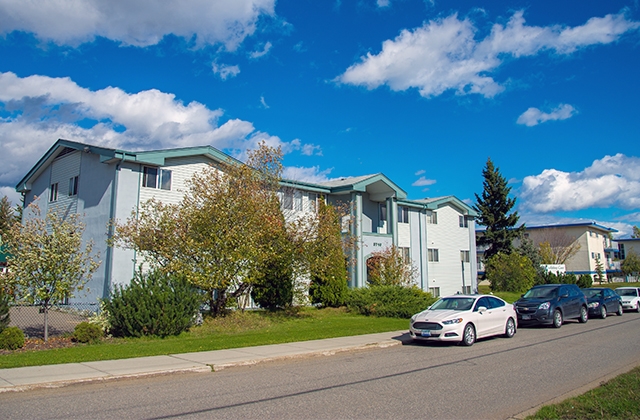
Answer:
(495, 379)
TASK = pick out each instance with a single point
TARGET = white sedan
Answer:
(630, 297)
(464, 318)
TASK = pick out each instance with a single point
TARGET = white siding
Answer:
(63, 169)
(182, 169)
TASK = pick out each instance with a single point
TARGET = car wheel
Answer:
(557, 318)
(620, 311)
(584, 315)
(510, 328)
(469, 335)
(603, 311)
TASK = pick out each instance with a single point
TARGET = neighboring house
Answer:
(628, 245)
(593, 240)
(102, 184)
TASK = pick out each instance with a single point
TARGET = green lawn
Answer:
(617, 399)
(237, 330)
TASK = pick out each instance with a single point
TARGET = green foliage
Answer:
(636, 233)
(493, 209)
(631, 264)
(86, 332)
(568, 278)
(153, 304)
(47, 260)
(327, 268)
(7, 217)
(388, 301)
(4, 309)
(11, 338)
(585, 281)
(388, 267)
(510, 273)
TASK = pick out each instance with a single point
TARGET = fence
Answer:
(62, 318)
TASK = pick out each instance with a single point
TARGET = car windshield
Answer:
(453, 303)
(590, 293)
(542, 293)
(627, 292)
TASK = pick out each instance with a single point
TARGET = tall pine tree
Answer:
(493, 209)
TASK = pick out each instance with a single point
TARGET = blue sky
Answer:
(422, 91)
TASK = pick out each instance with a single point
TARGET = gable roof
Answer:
(377, 185)
(437, 202)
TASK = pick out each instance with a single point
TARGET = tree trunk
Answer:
(218, 306)
(46, 322)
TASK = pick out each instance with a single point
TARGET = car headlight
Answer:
(593, 304)
(544, 306)
(452, 321)
(413, 318)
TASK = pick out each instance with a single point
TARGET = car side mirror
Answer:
(566, 295)
(482, 309)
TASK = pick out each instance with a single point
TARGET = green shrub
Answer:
(4, 310)
(584, 281)
(11, 338)
(86, 332)
(153, 304)
(273, 289)
(510, 272)
(388, 301)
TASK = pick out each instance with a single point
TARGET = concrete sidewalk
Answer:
(20, 379)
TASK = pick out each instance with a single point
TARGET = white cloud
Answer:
(444, 54)
(42, 109)
(420, 172)
(613, 181)
(13, 196)
(533, 116)
(139, 23)
(383, 3)
(263, 52)
(263, 103)
(423, 182)
(225, 71)
(303, 174)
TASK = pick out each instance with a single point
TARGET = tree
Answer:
(389, 268)
(556, 245)
(219, 236)
(599, 270)
(493, 209)
(7, 217)
(631, 264)
(510, 273)
(636, 233)
(47, 261)
(326, 259)
(529, 250)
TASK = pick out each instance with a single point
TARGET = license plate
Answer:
(426, 333)
(526, 317)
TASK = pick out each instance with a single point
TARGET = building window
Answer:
(432, 218)
(593, 255)
(406, 256)
(313, 202)
(403, 214)
(383, 212)
(53, 192)
(156, 178)
(435, 291)
(464, 256)
(297, 201)
(287, 200)
(463, 222)
(433, 255)
(73, 186)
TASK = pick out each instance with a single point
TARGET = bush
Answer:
(11, 338)
(584, 281)
(153, 304)
(274, 288)
(4, 310)
(388, 301)
(510, 273)
(86, 332)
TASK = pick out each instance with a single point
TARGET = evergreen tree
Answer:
(493, 209)
(636, 233)
(7, 217)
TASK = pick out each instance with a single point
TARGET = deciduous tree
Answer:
(494, 209)
(556, 245)
(47, 259)
(389, 268)
(631, 264)
(510, 272)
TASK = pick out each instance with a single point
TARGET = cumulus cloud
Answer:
(304, 174)
(423, 182)
(444, 54)
(383, 3)
(533, 116)
(225, 71)
(261, 53)
(613, 181)
(40, 109)
(138, 23)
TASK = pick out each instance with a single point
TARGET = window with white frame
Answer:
(313, 202)
(464, 256)
(158, 178)
(73, 186)
(433, 254)
(403, 214)
(406, 255)
(435, 291)
(432, 218)
(287, 200)
(53, 192)
(463, 222)
(383, 212)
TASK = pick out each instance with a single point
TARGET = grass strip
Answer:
(237, 330)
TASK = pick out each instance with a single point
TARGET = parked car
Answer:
(630, 297)
(602, 300)
(463, 319)
(552, 304)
